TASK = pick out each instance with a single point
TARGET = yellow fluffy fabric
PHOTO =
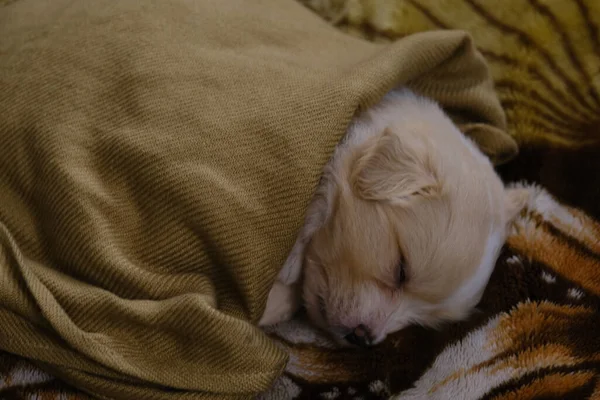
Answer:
(544, 55)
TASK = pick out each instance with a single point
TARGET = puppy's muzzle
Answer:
(360, 337)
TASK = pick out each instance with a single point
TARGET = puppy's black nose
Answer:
(360, 337)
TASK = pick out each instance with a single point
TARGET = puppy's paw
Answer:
(282, 304)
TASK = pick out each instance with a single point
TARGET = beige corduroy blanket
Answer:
(155, 164)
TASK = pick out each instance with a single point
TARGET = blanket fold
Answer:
(155, 165)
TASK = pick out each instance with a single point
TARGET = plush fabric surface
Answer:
(156, 161)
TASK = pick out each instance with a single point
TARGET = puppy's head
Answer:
(416, 217)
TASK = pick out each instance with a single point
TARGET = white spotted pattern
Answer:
(333, 394)
(548, 278)
(575, 293)
(377, 387)
(514, 259)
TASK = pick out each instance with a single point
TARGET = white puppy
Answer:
(405, 228)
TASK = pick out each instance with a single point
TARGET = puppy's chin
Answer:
(408, 313)
(315, 315)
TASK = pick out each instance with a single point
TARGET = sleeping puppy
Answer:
(405, 228)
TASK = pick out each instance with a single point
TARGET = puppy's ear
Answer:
(515, 201)
(395, 170)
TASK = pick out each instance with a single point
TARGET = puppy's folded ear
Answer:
(396, 170)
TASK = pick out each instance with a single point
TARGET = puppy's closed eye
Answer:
(401, 272)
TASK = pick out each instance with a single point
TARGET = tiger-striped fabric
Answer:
(536, 333)
(544, 55)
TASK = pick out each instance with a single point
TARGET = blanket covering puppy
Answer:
(156, 161)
